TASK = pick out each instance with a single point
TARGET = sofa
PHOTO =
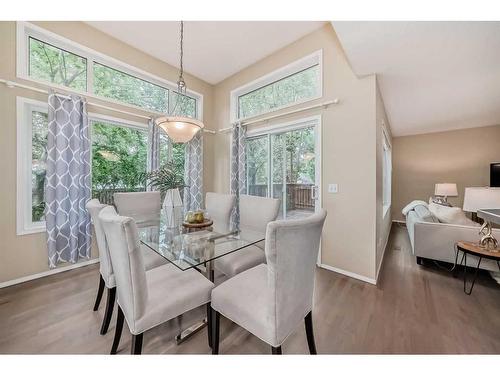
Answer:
(431, 239)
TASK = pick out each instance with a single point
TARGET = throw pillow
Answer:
(450, 215)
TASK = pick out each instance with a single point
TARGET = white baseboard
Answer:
(47, 273)
(350, 274)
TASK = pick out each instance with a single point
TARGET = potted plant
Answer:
(168, 179)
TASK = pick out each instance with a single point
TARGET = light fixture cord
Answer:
(181, 79)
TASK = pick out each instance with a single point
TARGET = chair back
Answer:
(128, 266)
(219, 207)
(257, 212)
(94, 207)
(141, 206)
(291, 252)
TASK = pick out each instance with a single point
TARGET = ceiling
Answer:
(213, 50)
(433, 76)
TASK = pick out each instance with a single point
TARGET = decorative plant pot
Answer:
(173, 208)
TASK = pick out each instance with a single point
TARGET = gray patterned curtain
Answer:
(153, 162)
(67, 182)
(238, 170)
(193, 173)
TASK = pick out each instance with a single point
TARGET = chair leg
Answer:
(215, 331)
(276, 349)
(136, 344)
(110, 304)
(118, 330)
(209, 324)
(310, 333)
(100, 290)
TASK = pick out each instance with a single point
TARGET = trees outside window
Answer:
(55, 65)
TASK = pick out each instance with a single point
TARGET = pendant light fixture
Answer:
(180, 129)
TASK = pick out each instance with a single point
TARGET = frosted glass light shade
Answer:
(477, 198)
(179, 129)
(446, 190)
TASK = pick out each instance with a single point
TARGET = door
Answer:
(283, 162)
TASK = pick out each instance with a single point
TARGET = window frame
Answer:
(386, 171)
(24, 223)
(25, 30)
(297, 66)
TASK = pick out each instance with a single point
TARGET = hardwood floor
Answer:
(414, 310)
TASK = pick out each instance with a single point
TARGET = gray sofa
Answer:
(431, 239)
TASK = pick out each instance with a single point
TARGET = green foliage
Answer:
(119, 157)
(168, 176)
(111, 83)
(55, 65)
(298, 86)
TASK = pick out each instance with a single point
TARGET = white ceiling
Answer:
(213, 50)
(433, 76)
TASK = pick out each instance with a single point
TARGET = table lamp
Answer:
(444, 190)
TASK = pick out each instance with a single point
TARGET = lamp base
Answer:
(441, 200)
(488, 241)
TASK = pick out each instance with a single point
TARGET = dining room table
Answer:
(193, 250)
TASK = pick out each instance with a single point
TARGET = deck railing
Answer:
(298, 196)
(105, 196)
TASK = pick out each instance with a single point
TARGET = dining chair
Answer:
(255, 214)
(271, 299)
(219, 207)
(142, 206)
(147, 299)
(106, 275)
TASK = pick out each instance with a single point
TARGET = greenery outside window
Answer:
(55, 65)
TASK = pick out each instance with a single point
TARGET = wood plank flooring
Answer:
(414, 309)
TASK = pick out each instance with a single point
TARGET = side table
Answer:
(475, 250)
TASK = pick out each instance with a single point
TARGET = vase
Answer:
(173, 208)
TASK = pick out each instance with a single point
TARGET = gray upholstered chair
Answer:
(107, 278)
(147, 299)
(142, 206)
(271, 299)
(219, 207)
(255, 214)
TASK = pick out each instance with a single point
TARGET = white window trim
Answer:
(315, 58)
(26, 29)
(386, 143)
(24, 225)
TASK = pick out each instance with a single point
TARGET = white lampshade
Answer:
(446, 190)
(179, 129)
(477, 198)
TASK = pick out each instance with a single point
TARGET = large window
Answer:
(119, 160)
(386, 171)
(295, 83)
(45, 57)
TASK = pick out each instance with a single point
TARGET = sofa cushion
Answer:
(424, 214)
(450, 215)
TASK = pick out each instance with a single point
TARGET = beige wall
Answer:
(460, 156)
(348, 149)
(27, 255)
(383, 222)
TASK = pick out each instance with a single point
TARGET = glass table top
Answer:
(189, 250)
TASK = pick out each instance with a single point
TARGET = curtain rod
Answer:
(251, 122)
(12, 84)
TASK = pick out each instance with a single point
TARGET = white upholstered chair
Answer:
(255, 214)
(147, 299)
(142, 206)
(219, 207)
(271, 299)
(107, 277)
